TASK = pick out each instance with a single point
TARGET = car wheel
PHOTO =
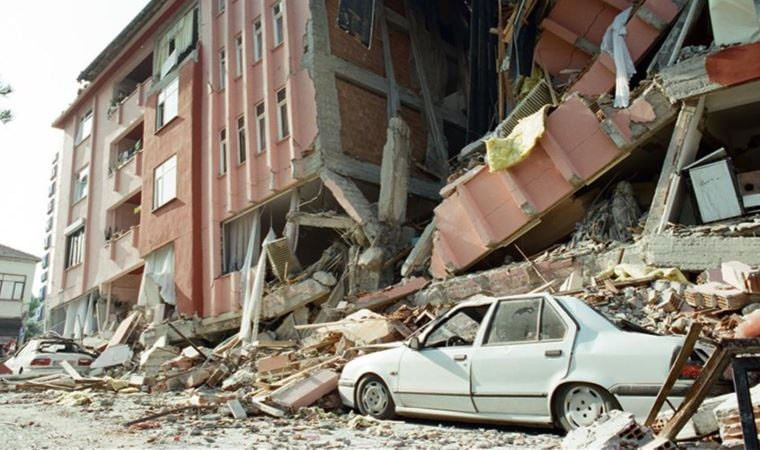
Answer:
(579, 405)
(374, 399)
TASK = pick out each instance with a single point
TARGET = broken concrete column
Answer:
(290, 297)
(369, 269)
(421, 251)
(307, 391)
(351, 199)
(394, 173)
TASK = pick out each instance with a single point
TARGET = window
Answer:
(51, 206)
(283, 128)
(235, 236)
(74, 246)
(48, 241)
(261, 128)
(220, 5)
(80, 185)
(175, 44)
(223, 152)
(222, 69)
(238, 55)
(241, 139)
(49, 225)
(258, 40)
(165, 182)
(459, 329)
(46, 261)
(84, 127)
(279, 27)
(168, 103)
(518, 321)
(12, 286)
(51, 189)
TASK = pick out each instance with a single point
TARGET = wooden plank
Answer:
(688, 346)
(699, 390)
(71, 371)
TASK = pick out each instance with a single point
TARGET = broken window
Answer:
(261, 128)
(239, 56)
(74, 245)
(84, 128)
(279, 27)
(283, 128)
(458, 330)
(356, 17)
(236, 234)
(80, 185)
(518, 321)
(258, 40)
(158, 278)
(167, 107)
(222, 69)
(241, 139)
(223, 151)
(12, 286)
(165, 182)
(176, 43)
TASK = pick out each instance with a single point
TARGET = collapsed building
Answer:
(256, 169)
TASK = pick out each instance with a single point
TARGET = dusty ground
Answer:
(38, 420)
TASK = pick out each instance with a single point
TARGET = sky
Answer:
(44, 45)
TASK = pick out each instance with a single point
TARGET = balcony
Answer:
(130, 108)
(125, 168)
(120, 254)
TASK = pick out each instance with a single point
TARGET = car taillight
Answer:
(41, 362)
(84, 361)
(691, 371)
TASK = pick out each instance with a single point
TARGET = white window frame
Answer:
(222, 55)
(278, 23)
(80, 184)
(283, 125)
(16, 284)
(241, 140)
(261, 127)
(258, 40)
(84, 127)
(165, 182)
(167, 106)
(222, 151)
(74, 247)
(221, 5)
(239, 55)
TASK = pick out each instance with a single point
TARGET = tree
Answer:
(5, 114)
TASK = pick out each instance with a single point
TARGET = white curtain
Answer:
(249, 321)
(291, 228)
(80, 317)
(182, 34)
(237, 237)
(158, 278)
(614, 44)
(252, 252)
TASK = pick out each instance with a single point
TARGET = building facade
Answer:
(16, 279)
(204, 124)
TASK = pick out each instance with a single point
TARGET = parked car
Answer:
(42, 356)
(532, 359)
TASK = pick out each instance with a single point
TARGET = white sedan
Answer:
(534, 359)
(43, 356)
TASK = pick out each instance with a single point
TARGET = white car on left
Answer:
(43, 356)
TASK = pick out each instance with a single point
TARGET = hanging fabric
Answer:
(249, 322)
(158, 278)
(614, 45)
(252, 252)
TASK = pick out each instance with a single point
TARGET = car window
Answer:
(514, 321)
(552, 326)
(458, 330)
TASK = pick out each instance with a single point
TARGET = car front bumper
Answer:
(346, 392)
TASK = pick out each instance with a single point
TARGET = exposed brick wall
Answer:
(347, 47)
(402, 58)
(363, 124)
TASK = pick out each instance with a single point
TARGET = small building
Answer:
(16, 279)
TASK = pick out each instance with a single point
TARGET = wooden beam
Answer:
(675, 371)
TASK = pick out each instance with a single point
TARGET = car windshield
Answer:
(458, 329)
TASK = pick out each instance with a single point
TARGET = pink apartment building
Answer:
(204, 123)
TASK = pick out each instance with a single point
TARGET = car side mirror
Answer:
(414, 343)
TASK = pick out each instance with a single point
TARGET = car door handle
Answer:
(553, 353)
(460, 357)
